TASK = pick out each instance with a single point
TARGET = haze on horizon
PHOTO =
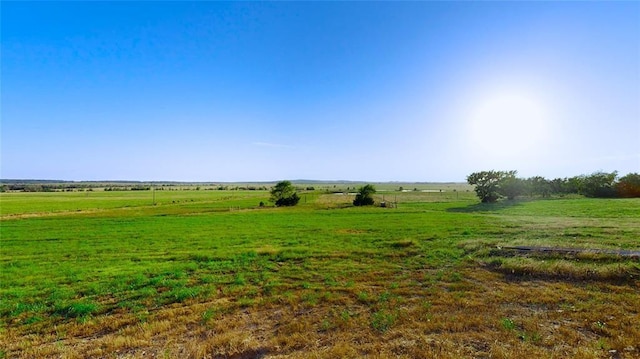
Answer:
(261, 91)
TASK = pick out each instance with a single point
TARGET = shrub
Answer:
(284, 194)
(288, 201)
(365, 196)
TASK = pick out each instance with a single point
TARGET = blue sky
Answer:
(375, 91)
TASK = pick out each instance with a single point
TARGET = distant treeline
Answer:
(44, 186)
(493, 185)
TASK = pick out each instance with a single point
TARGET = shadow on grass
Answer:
(488, 207)
(623, 275)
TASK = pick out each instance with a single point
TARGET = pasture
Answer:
(211, 274)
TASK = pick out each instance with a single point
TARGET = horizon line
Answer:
(300, 180)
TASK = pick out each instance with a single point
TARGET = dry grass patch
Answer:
(483, 314)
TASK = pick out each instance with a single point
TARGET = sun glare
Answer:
(508, 126)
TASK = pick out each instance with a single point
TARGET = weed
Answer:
(20, 308)
(330, 281)
(32, 320)
(239, 279)
(363, 297)
(602, 344)
(455, 277)
(384, 297)
(269, 288)
(76, 309)
(245, 302)
(508, 324)
(426, 305)
(599, 327)
(311, 298)
(345, 315)
(534, 337)
(326, 325)
(181, 294)
(142, 316)
(208, 314)
(382, 320)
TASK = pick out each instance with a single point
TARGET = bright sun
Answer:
(508, 126)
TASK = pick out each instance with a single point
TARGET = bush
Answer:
(288, 201)
(365, 196)
(284, 194)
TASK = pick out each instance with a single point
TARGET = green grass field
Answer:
(212, 274)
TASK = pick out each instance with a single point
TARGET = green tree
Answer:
(284, 194)
(539, 186)
(599, 184)
(510, 186)
(488, 184)
(561, 186)
(573, 185)
(365, 196)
